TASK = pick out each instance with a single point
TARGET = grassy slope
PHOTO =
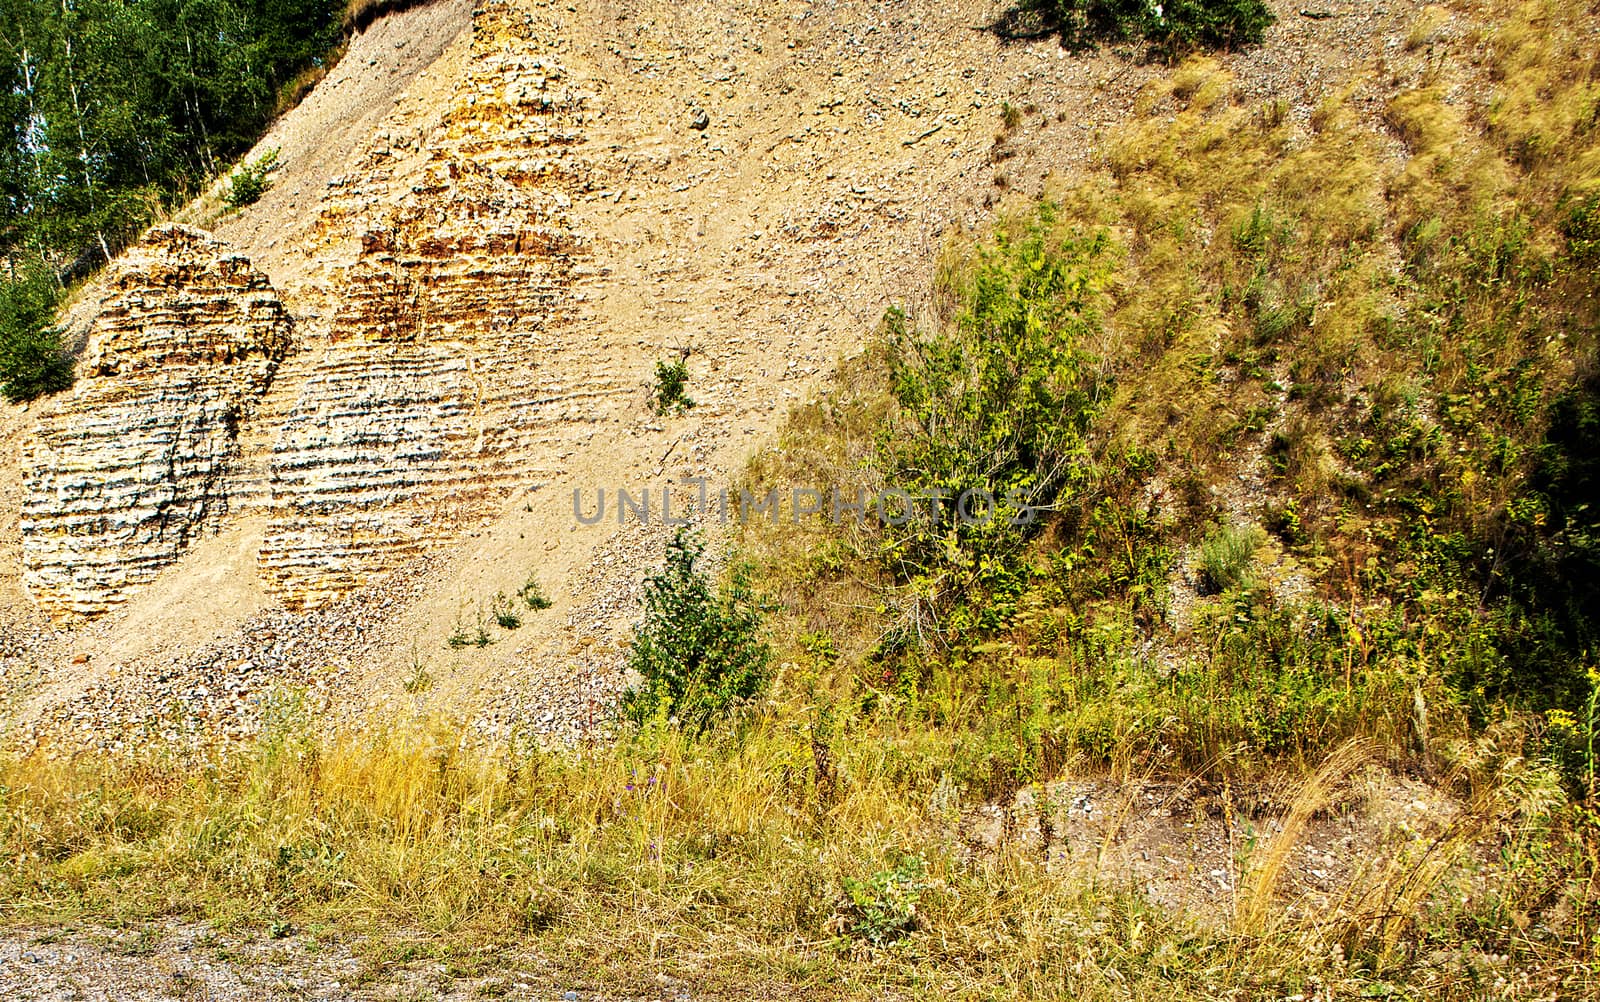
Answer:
(1375, 339)
(1367, 355)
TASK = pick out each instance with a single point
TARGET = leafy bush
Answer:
(671, 377)
(995, 402)
(883, 907)
(1171, 27)
(700, 651)
(1550, 631)
(32, 359)
(250, 182)
(1209, 24)
(1085, 23)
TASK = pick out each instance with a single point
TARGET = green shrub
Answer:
(671, 377)
(1549, 631)
(1083, 24)
(1171, 27)
(32, 359)
(995, 402)
(700, 651)
(1210, 24)
(533, 596)
(883, 907)
(250, 181)
(33, 364)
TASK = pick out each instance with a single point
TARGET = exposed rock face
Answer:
(415, 421)
(423, 404)
(520, 112)
(137, 462)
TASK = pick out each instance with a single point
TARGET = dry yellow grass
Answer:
(717, 862)
(358, 14)
(1255, 912)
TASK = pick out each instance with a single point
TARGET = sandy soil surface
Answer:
(188, 960)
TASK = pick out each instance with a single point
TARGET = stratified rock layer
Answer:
(417, 418)
(130, 469)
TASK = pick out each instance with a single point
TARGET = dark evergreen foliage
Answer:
(1169, 27)
(32, 361)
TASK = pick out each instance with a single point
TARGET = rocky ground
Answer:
(179, 960)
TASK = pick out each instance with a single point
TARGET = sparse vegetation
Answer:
(533, 595)
(471, 632)
(671, 380)
(501, 611)
(504, 613)
(1225, 557)
(420, 680)
(249, 182)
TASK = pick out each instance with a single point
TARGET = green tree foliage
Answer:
(699, 649)
(994, 405)
(110, 109)
(116, 106)
(32, 360)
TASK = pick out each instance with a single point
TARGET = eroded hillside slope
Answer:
(489, 226)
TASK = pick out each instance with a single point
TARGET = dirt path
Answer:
(193, 961)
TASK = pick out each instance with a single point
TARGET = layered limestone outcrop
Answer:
(519, 112)
(408, 427)
(415, 420)
(138, 461)
(422, 395)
